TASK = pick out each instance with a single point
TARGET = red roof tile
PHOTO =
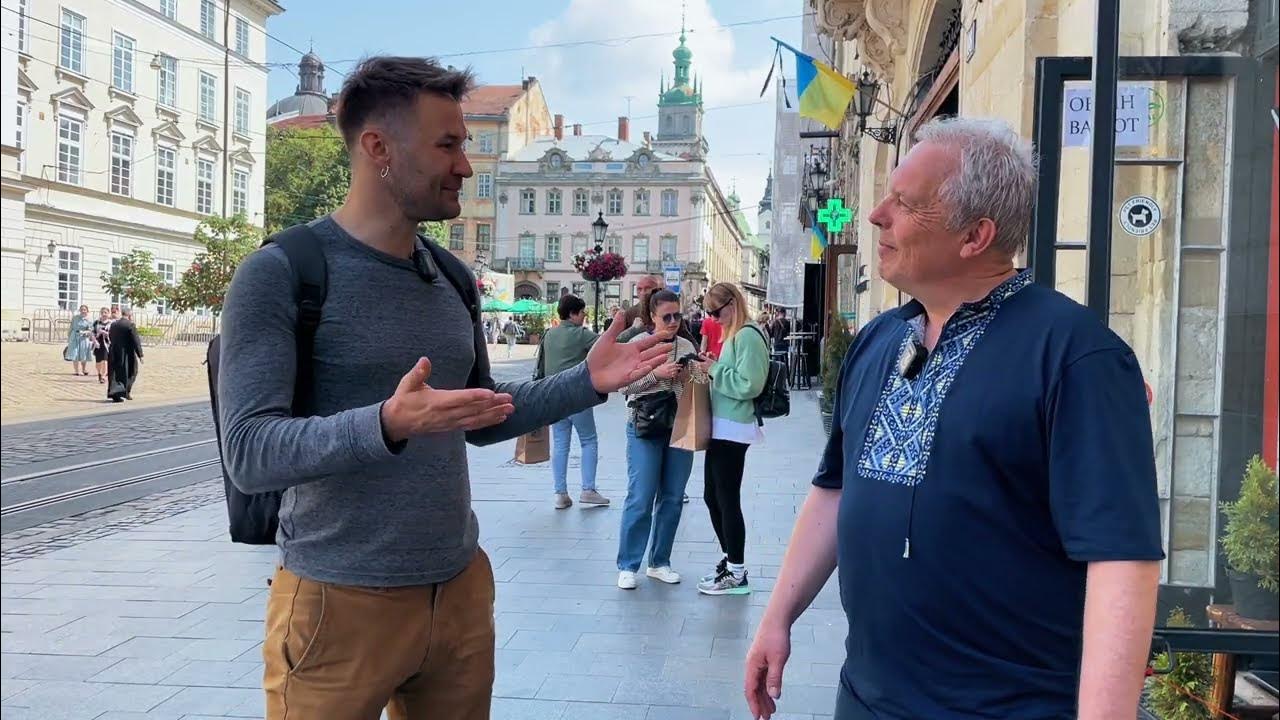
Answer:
(491, 99)
(302, 122)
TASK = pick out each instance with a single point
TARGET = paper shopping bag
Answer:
(533, 447)
(692, 429)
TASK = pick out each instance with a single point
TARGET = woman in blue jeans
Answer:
(656, 473)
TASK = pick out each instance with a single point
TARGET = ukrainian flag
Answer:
(824, 93)
(817, 241)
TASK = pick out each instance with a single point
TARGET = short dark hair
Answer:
(661, 296)
(383, 85)
(570, 304)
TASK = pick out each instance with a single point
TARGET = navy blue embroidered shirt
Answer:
(975, 494)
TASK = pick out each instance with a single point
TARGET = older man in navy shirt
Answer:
(988, 491)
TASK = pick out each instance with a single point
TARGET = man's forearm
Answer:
(540, 403)
(810, 558)
(1119, 615)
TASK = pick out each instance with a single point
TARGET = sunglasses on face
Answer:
(716, 313)
(670, 318)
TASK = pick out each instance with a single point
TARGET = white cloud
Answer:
(589, 83)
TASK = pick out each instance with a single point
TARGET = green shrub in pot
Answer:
(1251, 542)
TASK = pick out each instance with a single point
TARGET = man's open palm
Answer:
(613, 365)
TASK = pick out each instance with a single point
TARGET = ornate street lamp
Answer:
(866, 99)
(599, 229)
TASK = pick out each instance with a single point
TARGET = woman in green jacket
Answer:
(737, 378)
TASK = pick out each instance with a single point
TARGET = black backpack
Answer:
(253, 519)
(774, 400)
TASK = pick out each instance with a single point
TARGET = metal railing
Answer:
(53, 326)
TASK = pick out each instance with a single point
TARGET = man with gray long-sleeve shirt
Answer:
(382, 596)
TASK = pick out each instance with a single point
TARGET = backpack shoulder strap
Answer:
(310, 271)
(458, 276)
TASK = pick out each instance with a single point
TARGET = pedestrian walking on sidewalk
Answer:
(382, 597)
(79, 349)
(563, 348)
(512, 332)
(656, 472)
(124, 359)
(990, 460)
(101, 342)
(737, 378)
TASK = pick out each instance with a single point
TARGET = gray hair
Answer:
(996, 177)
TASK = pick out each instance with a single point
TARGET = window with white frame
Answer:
(553, 248)
(208, 22)
(20, 133)
(613, 244)
(169, 8)
(71, 42)
(240, 192)
(122, 62)
(485, 142)
(24, 28)
(528, 201)
(204, 186)
(640, 249)
(68, 278)
(579, 289)
(242, 36)
(122, 163)
(613, 290)
(553, 291)
(166, 169)
(554, 202)
(208, 97)
(455, 236)
(242, 111)
(642, 201)
(613, 205)
(581, 202)
(484, 185)
(167, 82)
(484, 237)
(117, 299)
(70, 149)
(579, 243)
(668, 244)
(670, 203)
(168, 272)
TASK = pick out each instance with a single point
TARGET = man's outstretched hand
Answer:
(416, 408)
(612, 365)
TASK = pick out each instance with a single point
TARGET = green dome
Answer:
(682, 53)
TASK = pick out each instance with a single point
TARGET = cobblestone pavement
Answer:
(147, 612)
(50, 441)
(36, 384)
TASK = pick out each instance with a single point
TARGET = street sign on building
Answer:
(671, 276)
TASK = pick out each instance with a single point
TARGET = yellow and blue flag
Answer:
(817, 241)
(824, 94)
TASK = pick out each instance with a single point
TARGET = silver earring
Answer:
(386, 170)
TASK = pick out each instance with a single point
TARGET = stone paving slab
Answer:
(154, 615)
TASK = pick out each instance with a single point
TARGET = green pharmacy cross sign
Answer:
(835, 215)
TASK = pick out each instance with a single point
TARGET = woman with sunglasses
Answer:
(737, 378)
(656, 472)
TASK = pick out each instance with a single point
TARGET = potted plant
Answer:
(834, 348)
(1252, 544)
(535, 326)
(1170, 693)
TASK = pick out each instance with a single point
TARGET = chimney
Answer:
(559, 126)
(624, 129)
(577, 129)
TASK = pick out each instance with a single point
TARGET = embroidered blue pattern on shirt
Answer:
(900, 435)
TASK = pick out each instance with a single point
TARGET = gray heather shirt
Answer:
(354, 512)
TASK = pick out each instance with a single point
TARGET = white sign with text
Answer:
(1133, 115)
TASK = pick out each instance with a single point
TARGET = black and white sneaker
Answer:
(721, 567)
(725, 584)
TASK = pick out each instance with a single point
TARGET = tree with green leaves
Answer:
(436, 232)
(226, 242)
(308, 172)
(136, 280)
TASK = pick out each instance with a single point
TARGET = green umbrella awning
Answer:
(493, 304)
(528, 307)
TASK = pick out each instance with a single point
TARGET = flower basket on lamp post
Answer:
(598, 266)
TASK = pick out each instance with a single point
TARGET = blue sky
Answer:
(590, 83)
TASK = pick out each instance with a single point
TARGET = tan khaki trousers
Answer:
(336, 652)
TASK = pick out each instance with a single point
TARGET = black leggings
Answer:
(722, 491)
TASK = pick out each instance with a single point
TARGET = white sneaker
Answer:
(664, 574)
(626, 580)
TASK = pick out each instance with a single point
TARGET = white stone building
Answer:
(124, 123)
